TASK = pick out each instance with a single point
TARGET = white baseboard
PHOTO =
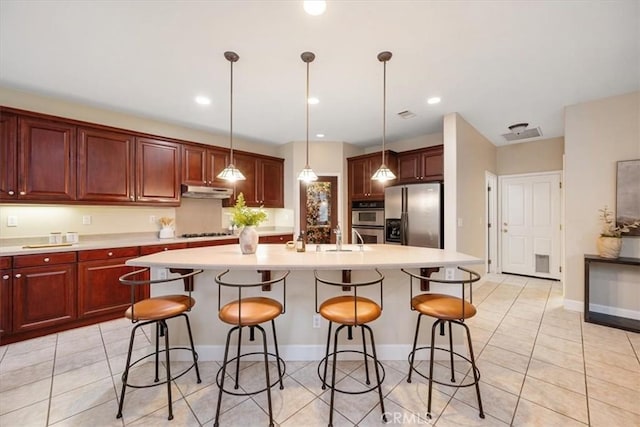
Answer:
(574, 305)
(615, 311)
(313, 352)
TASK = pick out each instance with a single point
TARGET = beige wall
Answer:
(421, 141)
(597, 135)
(526, 157)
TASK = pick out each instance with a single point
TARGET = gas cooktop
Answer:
(209, 234)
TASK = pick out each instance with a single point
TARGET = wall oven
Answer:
(367, 218)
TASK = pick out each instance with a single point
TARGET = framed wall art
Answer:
(628, 194)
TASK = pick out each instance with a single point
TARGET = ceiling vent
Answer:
(519, 131)
(406, 114)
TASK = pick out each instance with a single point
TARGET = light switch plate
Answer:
(86, 219)
(12, 221)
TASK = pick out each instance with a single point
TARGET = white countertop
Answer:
(278, 257)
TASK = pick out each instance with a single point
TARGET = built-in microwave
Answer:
(367, 213)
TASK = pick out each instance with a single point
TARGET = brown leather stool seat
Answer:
(350, 311)
(157, 310)
(446, 310)
(251, 312)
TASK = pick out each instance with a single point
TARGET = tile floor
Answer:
(540, 366)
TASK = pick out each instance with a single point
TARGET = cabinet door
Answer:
(433, 164)
(46, 160)
(8, 156)
(217, 160)
(99, 290)
(247, 165)
(409, 168)
(105, 166)
(43, 296)
(271, 183)
(194, 165)
(359, 178)
(6, 302)
(157, 171)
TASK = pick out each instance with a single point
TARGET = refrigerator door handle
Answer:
(404, 225)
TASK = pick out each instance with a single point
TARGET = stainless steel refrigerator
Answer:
(414, 215)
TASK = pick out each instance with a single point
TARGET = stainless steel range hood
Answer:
(201, 192)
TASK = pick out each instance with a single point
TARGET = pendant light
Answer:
(384, 173)
(307, 174)
(230, 173)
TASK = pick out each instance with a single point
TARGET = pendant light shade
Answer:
(307, 174)
(231, 173)
(384, 173)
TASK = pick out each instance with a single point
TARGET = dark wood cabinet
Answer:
(360, 170)
(8, 156)
(422, 165)
(280, 238)
(205, 243)
(100, 292)
(46, 160)
(152, 249)
(44, 290)
(6, 297)
(264, 183)
(105, 166)
(201, 165)
(157, 171)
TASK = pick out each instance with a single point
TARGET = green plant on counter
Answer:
(242, 216)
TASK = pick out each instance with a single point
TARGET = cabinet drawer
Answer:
(205, 243)
(5, 262)
(152, 249)
(281, 238)
(110, 253)
(43, 259)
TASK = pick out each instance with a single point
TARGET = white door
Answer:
(530, 224)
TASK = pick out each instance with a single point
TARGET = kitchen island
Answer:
(297, 337)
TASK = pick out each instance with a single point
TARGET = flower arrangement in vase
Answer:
(610, 241)
(248, 219)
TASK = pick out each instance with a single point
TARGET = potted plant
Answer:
(610, 241)
(247, 218)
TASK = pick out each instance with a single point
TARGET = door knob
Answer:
(504, 230)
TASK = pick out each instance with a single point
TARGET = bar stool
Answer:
(350, 311)
(250, 311)
(157, 310)
(446, 309)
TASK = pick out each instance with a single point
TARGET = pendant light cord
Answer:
(384, 107)
(307, 102)
(231, 116)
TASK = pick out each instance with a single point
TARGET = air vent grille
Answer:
(526, 134)
(406, 114)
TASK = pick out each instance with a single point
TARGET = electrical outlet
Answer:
(12, 221)
(449, 273)
(152, 219)
(162, 274)
(316, 320)
(86, 219)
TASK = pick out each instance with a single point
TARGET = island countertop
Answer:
(279, 257)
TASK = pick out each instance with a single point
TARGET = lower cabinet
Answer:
(44, 290)
(100, 292)
(6, 297)
(280, 238)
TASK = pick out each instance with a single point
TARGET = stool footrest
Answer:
(448, 384)
(369, 356)
(173, 377)
(280, 361)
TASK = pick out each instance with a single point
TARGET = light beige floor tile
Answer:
(78, 333)
(396, 415)
(285, 402)
(316, 414)
(80, 377)
(73, 402)
(117, 363)
(603, 415)
(353, 407)
(605, 332)
(557, 331)
(505, 358)
(26, 375)
(77, 360)
(606, 356)
(414, 397)
(480, 335)
(496, 402)
(103, 415)
(33, 416)
(520, 324)
(203, 403)
(25, 395)
(118, 347)
(501, 377)
(458, 413)
(634, 338)
(182, 416)
(77, 345)
(248, 413)
(559, 344)
(559, 358)
(529, 414)
(188, 383)
(618, 344)
(613, 374)
(565, 378)
(614, 395)
(139, 403)
(308, 377)
(520, 345)
(28, 346)
(390, 377)
(20, 360)
(558, 399)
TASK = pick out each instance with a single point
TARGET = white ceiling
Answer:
(493, 62)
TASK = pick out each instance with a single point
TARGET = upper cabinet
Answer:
(9, 156)
(264, 183)
(361, 168)
(421, 165)
(105, 166)
(157, 171)
(201, 165)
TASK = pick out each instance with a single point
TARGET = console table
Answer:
(607, 319)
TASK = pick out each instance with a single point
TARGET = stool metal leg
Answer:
(125, 374)
(157, 358)
(326, 357)
(238, 357)
(431, 357)
(193, 349)
(224, 373)
(275, 343)
(473, 368)
(333, 373)
(366, 362)
(375, 362)
(266, 370)
(453, 375)
(168, 362)
(413, 352)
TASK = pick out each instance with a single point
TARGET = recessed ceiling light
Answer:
(313, 100)
(202, 100)
(433, 100)
(319, 135)
(314, 7)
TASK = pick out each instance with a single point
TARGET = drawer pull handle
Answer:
(22, 193)
(165, 249)
(11, 193)
(110, 254)
(18, 276)
(5, 277)
(46, 260)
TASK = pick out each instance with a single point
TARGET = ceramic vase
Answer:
(248, 239)
(609, 247)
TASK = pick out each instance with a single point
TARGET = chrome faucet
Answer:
(338, 232)
(361, 244)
